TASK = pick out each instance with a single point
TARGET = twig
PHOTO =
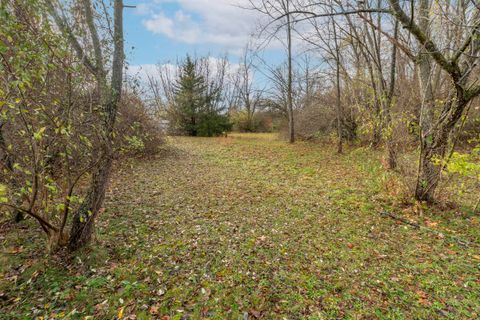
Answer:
(40, 219)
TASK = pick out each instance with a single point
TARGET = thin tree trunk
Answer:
(340, 116)
(391, 148)
(291, 125)
(376, 81)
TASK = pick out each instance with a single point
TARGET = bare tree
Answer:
(247, 95)
(280, 14)
(326, 38)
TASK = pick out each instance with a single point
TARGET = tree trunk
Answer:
(340, 116)
(291, 124)
(433, 148)
(427, 175)
(249, 114)
(339, 113)
(391, 147)
(83, 224)
(378, 84)
(291, 127)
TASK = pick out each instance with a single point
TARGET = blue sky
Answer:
(161, 31)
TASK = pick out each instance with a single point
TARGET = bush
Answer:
(242, 123)
(263, 121)
(138, 133)
(315, 121)
(213, 124)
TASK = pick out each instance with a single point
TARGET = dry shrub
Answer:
(314, 121)
(318, 119)
(138, 133)
(263, 121)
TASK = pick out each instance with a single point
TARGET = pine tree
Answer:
(189, 98)
(194, 111)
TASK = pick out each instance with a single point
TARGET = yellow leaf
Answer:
(120, 313)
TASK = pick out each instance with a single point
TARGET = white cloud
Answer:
(161, 24)
(218, 22)
(141, 72)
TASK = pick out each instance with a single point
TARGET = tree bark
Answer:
(83, 224)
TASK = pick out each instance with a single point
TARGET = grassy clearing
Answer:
(225, 228)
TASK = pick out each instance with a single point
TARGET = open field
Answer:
(250, 227)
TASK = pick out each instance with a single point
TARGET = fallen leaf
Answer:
(120, 313)
(154, 309)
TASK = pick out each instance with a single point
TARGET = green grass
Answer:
(217, 228)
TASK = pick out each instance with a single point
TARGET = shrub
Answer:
(213, 124)
(262, 121)
(138, 133)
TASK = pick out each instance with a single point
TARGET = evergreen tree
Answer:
(189, 98)
(194, 112)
